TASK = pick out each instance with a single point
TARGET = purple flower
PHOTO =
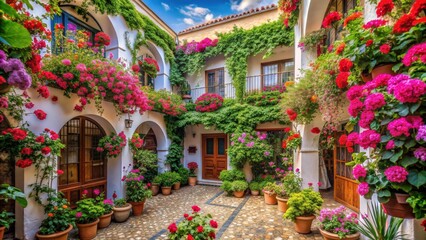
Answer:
(20, 79)
(243, 135)
(375, 23)
(290, 168)
(420, 153)
(232, 143)
(78, 214)
(266, 153)
(363, 188)
(421, 134)
(72, 27)
(297, 170)
(3, 55)
(13, 64)
(135, 170)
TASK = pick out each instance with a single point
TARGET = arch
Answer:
(315, 11)
(160, 135)
(158, 55)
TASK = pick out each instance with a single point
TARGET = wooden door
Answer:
(214, 155)
(345, 186)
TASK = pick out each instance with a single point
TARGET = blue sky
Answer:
(181, 14)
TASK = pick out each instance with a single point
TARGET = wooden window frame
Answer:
(206, 79)
(280, 70)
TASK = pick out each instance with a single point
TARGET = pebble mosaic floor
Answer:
(238, 218)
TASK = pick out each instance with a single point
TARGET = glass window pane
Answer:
(221, 146)
(211, 82)
(210, 146)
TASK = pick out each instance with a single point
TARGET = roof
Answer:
(229, 18)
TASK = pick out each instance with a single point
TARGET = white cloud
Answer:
(243, 5)
(189, 21)
(165, 6)
(193, 10)
(208, 17)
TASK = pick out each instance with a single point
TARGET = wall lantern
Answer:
(128, 122)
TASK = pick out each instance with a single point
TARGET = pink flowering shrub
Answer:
(112, 144)
(136, 188)
(337, 221)
(165, 102)
(208, 102)
(249, 147)
(197, 47)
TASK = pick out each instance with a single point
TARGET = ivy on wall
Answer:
(236, 45)
(134, 19)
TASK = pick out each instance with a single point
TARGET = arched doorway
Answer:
(84, 167)
(150, 141)
(7, 176)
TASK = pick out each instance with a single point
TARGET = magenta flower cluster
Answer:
(403, 125)
(374, 23)
(363, 188)
(396, 174)
(414, 54)
(197, 47)
(374, 101)
(359, 171)
(420, 153)
(369, 138)
(421, 133)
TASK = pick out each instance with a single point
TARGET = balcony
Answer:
(254, 84)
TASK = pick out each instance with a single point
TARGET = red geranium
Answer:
(385, 48)
(23, 163)
(345, 65)
(17, 133)
(26, 151)
(342, 79)
(136, 68)
(404, 23)
(384, 7)
(196, 208)
(102, 39)
(418, 6)
(34, 63)
(172, 228)
(46, 150)
(43, 91)
(54, 99)
(59, 172)
(208, 102)
(369, 42)
(315, 130)
(340, 48)
(153, 62)
(39, 139)
(287, 129)
(342, 139)
(192, 165)
(331, 18)
(292, 115)
(351, 17)
(40, 114)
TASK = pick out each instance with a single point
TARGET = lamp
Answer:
(128, 122)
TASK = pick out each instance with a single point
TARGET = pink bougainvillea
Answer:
(208, 102)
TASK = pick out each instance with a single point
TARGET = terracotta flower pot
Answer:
(366, 77)
(401, 198)
(386, 68)
(2, 229)
(303, 224)
(137, 208)
(105, 220)
(255, 192)
(56, 236)
(282, 204)
(176, 186)
(88, 231)
(155, 189)
(121, 214)
(270, 199)
(331, 236)
(239, 194)
(192, 181)
(393, 208)
(166, 190)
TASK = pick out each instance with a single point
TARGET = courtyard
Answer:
(238, 218)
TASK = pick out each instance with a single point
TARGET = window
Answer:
(83, 166)
(342, 6)
(215, 81)
(277, 73)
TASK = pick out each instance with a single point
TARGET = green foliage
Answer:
(254, 186)
(59, 216)
(157, 180)
(6, 219)
(9, 192)
(136, 189)
(135, 47)
(184, 175)
(292, 183)
(377, 225)
(146, 162)
(239, 185)
(166, 102)
(311, 40)
(87, 211)
(231, 175)
(417, 201)
(169, 178)
(305, 203)
(199, 226)
(227, 187)
(265, 98)
(271, 188)
(107, 204)
(120, 202)
(175, 134)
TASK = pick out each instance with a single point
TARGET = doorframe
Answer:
(203, 145)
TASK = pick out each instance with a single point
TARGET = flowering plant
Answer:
(192, 166)
(165, 102)
(194, 226)
(246, 147)
(149, 66)
(197, 47)
(290, 9)
(106, 203)
(338, 222)
(112, 144)
(87, 210)
(136, 142)
(312, 41)
(293, 141)
(208, 102)
(270, 96)
(59, 216)
(305, 203)
(136, 189)
(291, 183)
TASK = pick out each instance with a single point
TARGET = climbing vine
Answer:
(137, 43)
(237, 46)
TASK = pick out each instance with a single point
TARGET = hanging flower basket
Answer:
(395, 209)
(150, 67)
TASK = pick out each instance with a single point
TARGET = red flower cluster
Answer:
(192, 165)
(385, 48)
(24, 163)
(34, 62)
(417, 7)
(342, 79)
(152, 62)
(43, 91)
(292, 115)
(288, 7)
(315, 130)
(384, 7)
(345, 65)
(40, 114)
(102, 39)
(404, 24)
(17, 133)
(331, 18)
(340, 48)
(208, 102)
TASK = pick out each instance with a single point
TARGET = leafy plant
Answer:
(184, 174)
(9, 192)
(338, 222)
(194, 226)
(157, 180)
(231, 175)
(254, 186)
(112, 144)
(251, 148)
(136, 188)
(192, 166)
(417, 201)
(271, 188)
(305, 203)
(378, 227)
(59, 216)
(227, 187)
(120, 202)
(6, 219)
(312, 40)
(146, 161)
(169, 178)
(292, 183)
(87, 211)
(239, 185)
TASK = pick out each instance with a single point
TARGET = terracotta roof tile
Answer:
(229, 17)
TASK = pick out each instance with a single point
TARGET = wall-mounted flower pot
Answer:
(382, 69)
(155, 189)
(239, 194)
(270, 199)
(331, 236)
(176, 186)
(395, 209)
(105, 220)
(303, 224)
(282, 204)
(137, 208)
(192, 181)
(166, 190)
(56, 236)
(88, 231)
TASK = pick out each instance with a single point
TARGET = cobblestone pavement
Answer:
(238, 218)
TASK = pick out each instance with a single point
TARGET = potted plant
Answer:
(194, 226)
(302, 208)
(87, 216)
(238, 188)
(136, 191)
(59, 221)
(227, 187)
(107, 205)
(184, 175)
(155, 185)
(8, 192)
(177, 179)
(254, 188)
(121, 210)
(335, 224)
(167, 181)
(192, 180)
(291, 183)
(270, 193)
